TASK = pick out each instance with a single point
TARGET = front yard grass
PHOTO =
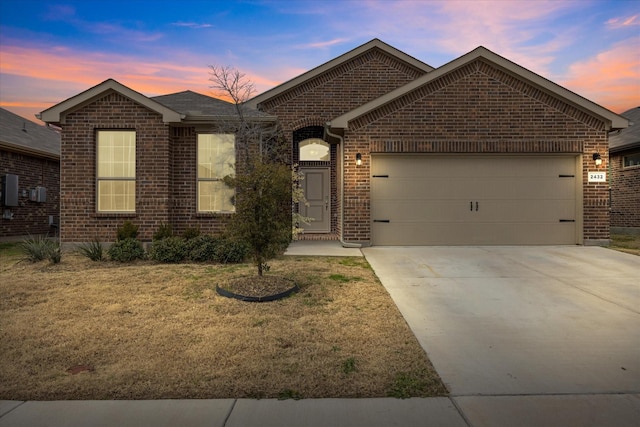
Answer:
(103, 330)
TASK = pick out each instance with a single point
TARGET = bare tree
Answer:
(263, 178)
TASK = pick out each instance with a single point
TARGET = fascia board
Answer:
(57, 113)
(334, 63)
(29, 151)
(617, 121)
(625, 147)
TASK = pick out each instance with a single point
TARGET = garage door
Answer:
(473, 200)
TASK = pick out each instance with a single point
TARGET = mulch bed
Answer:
(257, 288)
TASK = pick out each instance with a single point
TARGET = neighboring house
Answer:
(30, 176)
(479, 151)
(624, 167)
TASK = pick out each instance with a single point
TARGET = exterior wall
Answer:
(31, 218)
(334, 93)
(79, 221)
(475, 109)
(625, 191)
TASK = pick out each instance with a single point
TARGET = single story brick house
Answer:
(29, 177)
(624, 166)
(479, 151)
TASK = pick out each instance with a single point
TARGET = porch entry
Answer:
(317, 191)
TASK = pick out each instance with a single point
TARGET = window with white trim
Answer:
(116, 171)
(216, 159)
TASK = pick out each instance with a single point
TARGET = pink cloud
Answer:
(616, 23)
(611, 78)
(72, 72)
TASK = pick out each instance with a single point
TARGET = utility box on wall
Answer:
(41, 194)
(9, 190)
(38, 194)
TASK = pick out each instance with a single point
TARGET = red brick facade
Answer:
(479, 107)
(329, 95)
(625, 191)
(165, 173)
(31, 217)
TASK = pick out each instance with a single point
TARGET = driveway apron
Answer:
(520, 320)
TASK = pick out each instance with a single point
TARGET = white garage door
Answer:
(473, 200)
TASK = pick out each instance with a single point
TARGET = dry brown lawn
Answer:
(629, 243)
(101, 330)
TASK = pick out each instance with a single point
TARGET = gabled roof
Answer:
(373, 44)
(197, 107)
(629, 137)
(58, 112)
(25, 136)
(616, 121)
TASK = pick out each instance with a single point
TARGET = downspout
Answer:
(327, 131)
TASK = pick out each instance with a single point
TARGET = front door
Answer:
(317, 191)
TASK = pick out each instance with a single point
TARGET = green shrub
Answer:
(231, 250)
(39, 248)
(55, 256)
(163, 232)
(92, 250)
(126, 250)
(202, 248)
(128, 230)
(191, 233)
(169, 249)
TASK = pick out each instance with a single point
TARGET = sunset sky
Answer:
(51, 50)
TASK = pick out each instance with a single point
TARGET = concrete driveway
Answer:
(509, 321)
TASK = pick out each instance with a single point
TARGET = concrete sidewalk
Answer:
(233, 413)
(321, 248)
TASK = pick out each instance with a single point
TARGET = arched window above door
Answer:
(314, 149)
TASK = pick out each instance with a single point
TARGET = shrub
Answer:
(191, 233)
(231, 250)
(126, 250)
(169, 249)
(92, 250)
(56, 254)
(39, 248)
(202, 248)
(163, 232)
(128, 230)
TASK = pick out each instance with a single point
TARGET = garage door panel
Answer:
(418, 166)
(436, 188)
(452, 234)
(479, 211)
(430, 211)
(505, 211)
(460, 188)
(457, 200)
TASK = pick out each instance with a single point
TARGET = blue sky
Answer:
(52, 50)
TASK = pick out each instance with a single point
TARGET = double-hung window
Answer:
(216, 159)
(116, 171)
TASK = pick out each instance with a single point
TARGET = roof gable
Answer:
(336, 62)
(20, 134)
(57, 113)
(615, 121)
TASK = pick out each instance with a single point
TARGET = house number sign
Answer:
(597, 177)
